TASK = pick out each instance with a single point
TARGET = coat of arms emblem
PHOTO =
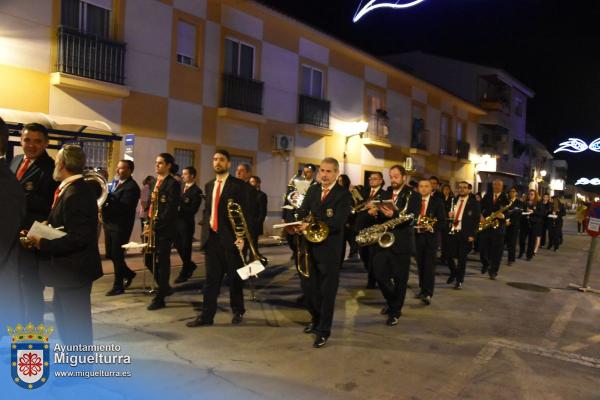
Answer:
(30, 355)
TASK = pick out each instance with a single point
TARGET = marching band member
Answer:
(465, 221)
(546, 205)
(220, 243)
(531, 225)
(555, 217)
(349, 234)
(364, 219)
(261, 212)
(449, 202)
(74, 258)
(166, 194)
(392, 265)
(191, 199)
(118, 217)
(432, 207)
(33, 170)
(330, 203)
(513, 223)
(491, 241)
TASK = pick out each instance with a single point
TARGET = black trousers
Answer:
(554, 233)
(459, 248)
(544, 234)
(73, 314)
(349, 238)
(183, 244)
(366, 256)
(221, 261)
(113, 240)
(391, 271)
(527, 237)
(31, 286)
(162, 266)
(512, 234)
(426, 246)
(491, 247)
(320, 290)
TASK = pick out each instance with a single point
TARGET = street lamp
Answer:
(543, 173)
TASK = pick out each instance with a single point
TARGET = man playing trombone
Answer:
(330, 205)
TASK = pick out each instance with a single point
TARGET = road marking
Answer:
(560, 323)
(578, 346)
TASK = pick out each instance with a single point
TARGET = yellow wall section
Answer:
(24, 89)
(209, 125)
(144, 115)
(277, 32)
(185, 81)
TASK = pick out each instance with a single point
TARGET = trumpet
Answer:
(491, 221)
(426, 223)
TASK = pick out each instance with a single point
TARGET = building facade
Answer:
(190, 76)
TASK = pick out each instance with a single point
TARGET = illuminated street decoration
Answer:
(574, 145)
(375, 4)
(586, 181)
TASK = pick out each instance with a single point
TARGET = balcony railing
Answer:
(447, 146)
(90, 57)
(314, 111)
(419, 140)
(462, 150)
(242, 94)
(378, 126)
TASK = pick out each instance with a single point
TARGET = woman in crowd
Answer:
(555, 223)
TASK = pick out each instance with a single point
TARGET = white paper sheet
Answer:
(252, 269)
(44, 231)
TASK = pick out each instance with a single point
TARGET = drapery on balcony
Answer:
(90, 57)
(314, 111)
(242, 94)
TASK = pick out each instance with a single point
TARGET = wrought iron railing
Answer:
(314, 111)
(462, 150)
(242, 94)
(91, 57)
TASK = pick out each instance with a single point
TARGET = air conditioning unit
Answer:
(283, 143)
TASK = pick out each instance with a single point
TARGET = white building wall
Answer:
(280, 69)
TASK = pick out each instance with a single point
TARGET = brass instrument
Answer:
(491, 221)
(149, 239)
(426, 223)
(316, 232)
(380, 233)
(295, 194)
(241, 231)
(358, 199)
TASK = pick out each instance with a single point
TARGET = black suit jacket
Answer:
(514, 214)
(74, 258)
(235, 189)
(118, 212)
(12, 212)
(261, 213)
(403, 243)
(169, 197)
(191, 200)
(470, 216)
(39, 187)
(435, 209)
(488, 207)
(363, 218)
(334, 211)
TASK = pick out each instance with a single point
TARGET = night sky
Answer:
(551, 46)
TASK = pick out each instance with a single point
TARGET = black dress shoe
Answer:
(458, 285)
(392, 320)
(127, 281)
(310, 328)
(419, 295)
(237, 318)
(156, 304)
(520, 255)
(320, 341)
(183, 277)
(484, 270)
(510, 263)
(199, 321)
(385, 310)
(426, 300)
(115, 292)
(493, 276)
(451, 279)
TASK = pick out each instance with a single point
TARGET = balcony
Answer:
(242, 94)
(313, 115)
(448, 146)
(88, 56)
(377, 133)
(462, 150)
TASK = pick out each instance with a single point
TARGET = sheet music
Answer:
(252, 269)
(45, 231)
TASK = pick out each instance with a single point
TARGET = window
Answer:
(312, 82)
(444, 128)
(377, 115)
(88, 16)
(186, 43)
(183, 158)
(239, 59)
(418, 134)
(460, 130)
(97, 154)
(237, 160)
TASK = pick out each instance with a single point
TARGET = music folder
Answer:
(45, 231)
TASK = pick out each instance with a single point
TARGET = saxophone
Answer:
(380, 233)
(491, 221)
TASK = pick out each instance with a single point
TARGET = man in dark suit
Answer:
(426, 239)
(219, 242)
(191, 199)
(465, 220)
(513, 224)
(12, 213)
(33, 170)
(166, 196)
(118, 217)
(74, 258)
(391, 265)
(491, 241)
(363, 220)
(261, 212)
(435, 187)
(329, 203)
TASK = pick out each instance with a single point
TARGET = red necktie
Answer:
(456, 220)
(215, 208)
(495, 198)
(423, 207)
(158, 182)
(23, 168)
(56, 195)
(372, 193)
(324, 196)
